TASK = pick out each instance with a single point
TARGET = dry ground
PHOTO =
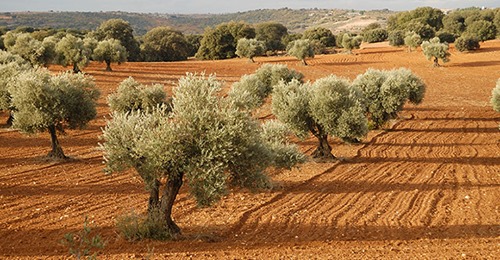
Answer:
(426, 188)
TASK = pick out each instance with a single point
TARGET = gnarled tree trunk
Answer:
(170, 192)
(56, 151)
(154, 196)
(324, 150)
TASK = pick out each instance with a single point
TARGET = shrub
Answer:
(396, 38)
(467, 43)
(495, 97)
(375, 35)
(82, 244)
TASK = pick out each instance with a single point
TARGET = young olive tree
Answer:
(386, 92)
(44, 102)
(251, 91)
(250, 48)
(205, 141)
(301, 49)
(412, 40)
(110, 50)
(133, 96)
(330, 106)
(10, 67)
(434, 49)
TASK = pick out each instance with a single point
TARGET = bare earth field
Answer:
(427, 188)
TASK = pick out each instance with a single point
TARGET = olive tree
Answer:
(301, 49)
(436, 50)
(412, 40)
(110, 50)
(328, 107)
(205, 141)
(45, 102)
(72, 50)
(133, 96)
(251, 90)
(385, 93)
(249, 48)
(35, 51)
(10, 67)
(396, 38)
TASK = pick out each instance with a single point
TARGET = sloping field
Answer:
(428, 187)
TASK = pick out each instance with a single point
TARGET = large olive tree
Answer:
(205, 141)
(44, 102)
(328, 107)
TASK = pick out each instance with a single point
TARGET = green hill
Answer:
(296, 20)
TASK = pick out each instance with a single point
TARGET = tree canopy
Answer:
(72, 50)
(250, 48)
(110, 50)
(134, 96)
(205, 141)
(436, 50)
(220, 42)
(272, 34)
(164, 44)
(45, 102)
(121, 30)
(301, 49)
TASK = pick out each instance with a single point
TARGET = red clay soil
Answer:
(428, 187)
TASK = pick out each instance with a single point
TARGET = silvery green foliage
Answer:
(271, 75)
(74, 51)
(412, 40)
(250, 48)
(290, 105)
(110, 50)
(350, 42)
(338, 108)
(31, 49)
(435, 49)
(205, 138)
(386, 92)
(132, 95)
(249, 92)
(42, 100)
(10, 66)
(252, 90)
(285, 155)
(301, 49)
(495, 97)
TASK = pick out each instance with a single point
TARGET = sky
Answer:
(219, 6)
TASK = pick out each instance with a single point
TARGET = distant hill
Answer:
(296, 20)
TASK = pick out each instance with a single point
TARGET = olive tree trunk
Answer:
(304, 62)
(75, 68)
(436, 62)
(108, 65)
(324, 150)
(56, 151)
(170, 192)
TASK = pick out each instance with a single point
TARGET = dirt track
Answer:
(426, 188)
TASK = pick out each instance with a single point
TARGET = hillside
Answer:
(295, 20)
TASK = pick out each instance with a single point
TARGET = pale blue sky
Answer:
(219, 6)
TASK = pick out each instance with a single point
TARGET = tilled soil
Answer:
(427, 187)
